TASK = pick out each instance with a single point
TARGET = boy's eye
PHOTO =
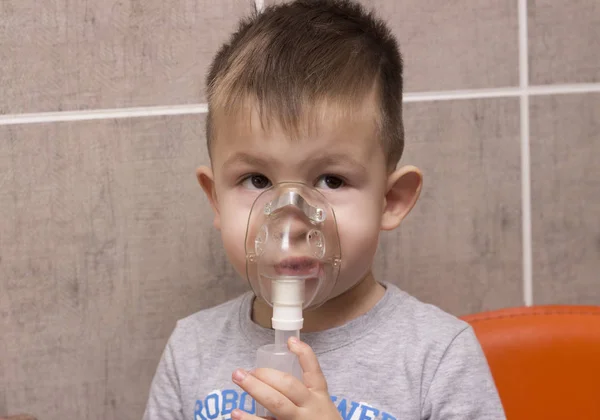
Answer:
(256, 181)
(330, 181)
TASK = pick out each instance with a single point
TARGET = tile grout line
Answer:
(542, 90)
(525, 155)
(508, 92)
(461, 94)
(202, 108)
(103, 114)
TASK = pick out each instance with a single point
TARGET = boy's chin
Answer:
(349, 288)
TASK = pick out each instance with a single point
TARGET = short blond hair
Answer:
(290, 58)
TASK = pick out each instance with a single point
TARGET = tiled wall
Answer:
(106, 240)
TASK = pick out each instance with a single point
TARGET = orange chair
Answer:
(545, 360)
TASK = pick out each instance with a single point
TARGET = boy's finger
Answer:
(238, 414)
(285, 383)
(313, 375)
(265, 395)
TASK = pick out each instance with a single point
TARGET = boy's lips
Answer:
(297, 266)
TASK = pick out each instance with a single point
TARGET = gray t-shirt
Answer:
(402, 360)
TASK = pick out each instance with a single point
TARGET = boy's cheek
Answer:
(358, 243)
(359, 236)
(234, 219)
(235, 250)
(235, 211)
(358, 219)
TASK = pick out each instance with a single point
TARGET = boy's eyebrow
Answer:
(332, 159)
(246, 158)
(338, 159)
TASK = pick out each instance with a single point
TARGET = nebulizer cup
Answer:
(293, 259)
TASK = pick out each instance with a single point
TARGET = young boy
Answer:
(311, 92)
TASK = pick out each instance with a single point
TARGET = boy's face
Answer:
(344, 161)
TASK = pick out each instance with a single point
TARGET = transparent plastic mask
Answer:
(292, 235)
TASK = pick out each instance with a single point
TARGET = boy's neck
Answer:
(336, 312)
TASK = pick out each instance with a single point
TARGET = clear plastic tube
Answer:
(278, 356)
(282, 337)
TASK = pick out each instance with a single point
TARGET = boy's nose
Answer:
(294, 227)
(290, 230)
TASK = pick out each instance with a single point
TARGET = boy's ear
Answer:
(207, 182)
(403, 189)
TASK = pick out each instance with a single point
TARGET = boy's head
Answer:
(293, 60)
(310, 91)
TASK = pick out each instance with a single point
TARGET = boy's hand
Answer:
(284, 395)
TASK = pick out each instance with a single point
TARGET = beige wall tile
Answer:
(565, 172)
(564, 41)
(460, 248)
(63, 55)
(453, 45)
(105, 241)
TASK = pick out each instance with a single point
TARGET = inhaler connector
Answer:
(288, 301)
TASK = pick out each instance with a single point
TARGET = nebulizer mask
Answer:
(293, 259)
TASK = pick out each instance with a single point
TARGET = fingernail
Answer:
(294, 341)
(239, 375)
(236, 414)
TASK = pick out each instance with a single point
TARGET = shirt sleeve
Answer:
(462, 387)
(164, 401)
